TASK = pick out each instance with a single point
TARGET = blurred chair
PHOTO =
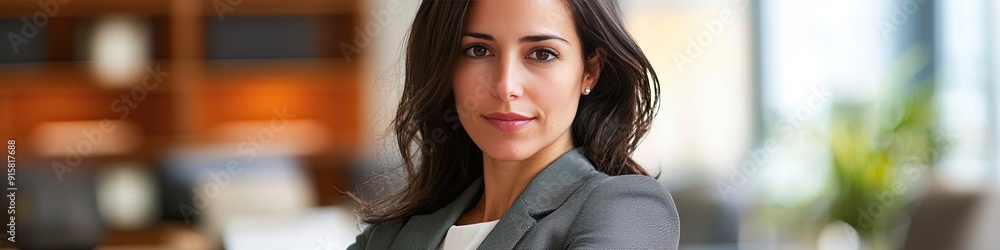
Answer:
(57, 200)
(706, 222)
(54, 214)
(940, 220)
(985, 223)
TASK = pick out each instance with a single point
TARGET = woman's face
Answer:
(519, 76)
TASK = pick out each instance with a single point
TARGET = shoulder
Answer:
(627, 211)
(629, 185)
(631, 191)
(385, 232)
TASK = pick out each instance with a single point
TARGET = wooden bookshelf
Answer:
(200, 93)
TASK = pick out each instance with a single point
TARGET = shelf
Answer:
(77, 75)
(203, 101)
(85, 8)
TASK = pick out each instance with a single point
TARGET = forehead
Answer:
(509, 19)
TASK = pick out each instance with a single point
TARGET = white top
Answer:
(466, 237)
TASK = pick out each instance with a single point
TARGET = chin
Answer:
(508, 150)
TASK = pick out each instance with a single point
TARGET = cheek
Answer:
(470, 90)
(558, 98)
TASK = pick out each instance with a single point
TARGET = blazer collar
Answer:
(546, 192)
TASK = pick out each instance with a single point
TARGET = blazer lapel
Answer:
(546, 192)
(429, 229)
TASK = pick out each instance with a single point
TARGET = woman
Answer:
(516, 122)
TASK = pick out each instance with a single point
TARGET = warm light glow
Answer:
(126, 196)
(86, 138)
(119, 49)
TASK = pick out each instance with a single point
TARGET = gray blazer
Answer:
(568, 205)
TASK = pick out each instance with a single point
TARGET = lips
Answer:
(508, 122)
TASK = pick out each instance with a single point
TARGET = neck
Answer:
(504, 181)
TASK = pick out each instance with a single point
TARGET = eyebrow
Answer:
(525, 39)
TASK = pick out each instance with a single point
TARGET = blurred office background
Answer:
(785, 124)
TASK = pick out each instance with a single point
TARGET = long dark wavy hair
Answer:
(440, 160)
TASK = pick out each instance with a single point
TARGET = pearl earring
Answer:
(586, 91)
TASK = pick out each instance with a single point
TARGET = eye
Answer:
(543, 55)
(477, 51)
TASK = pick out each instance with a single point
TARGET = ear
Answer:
(592, 68)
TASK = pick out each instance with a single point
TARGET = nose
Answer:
(508, 87)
